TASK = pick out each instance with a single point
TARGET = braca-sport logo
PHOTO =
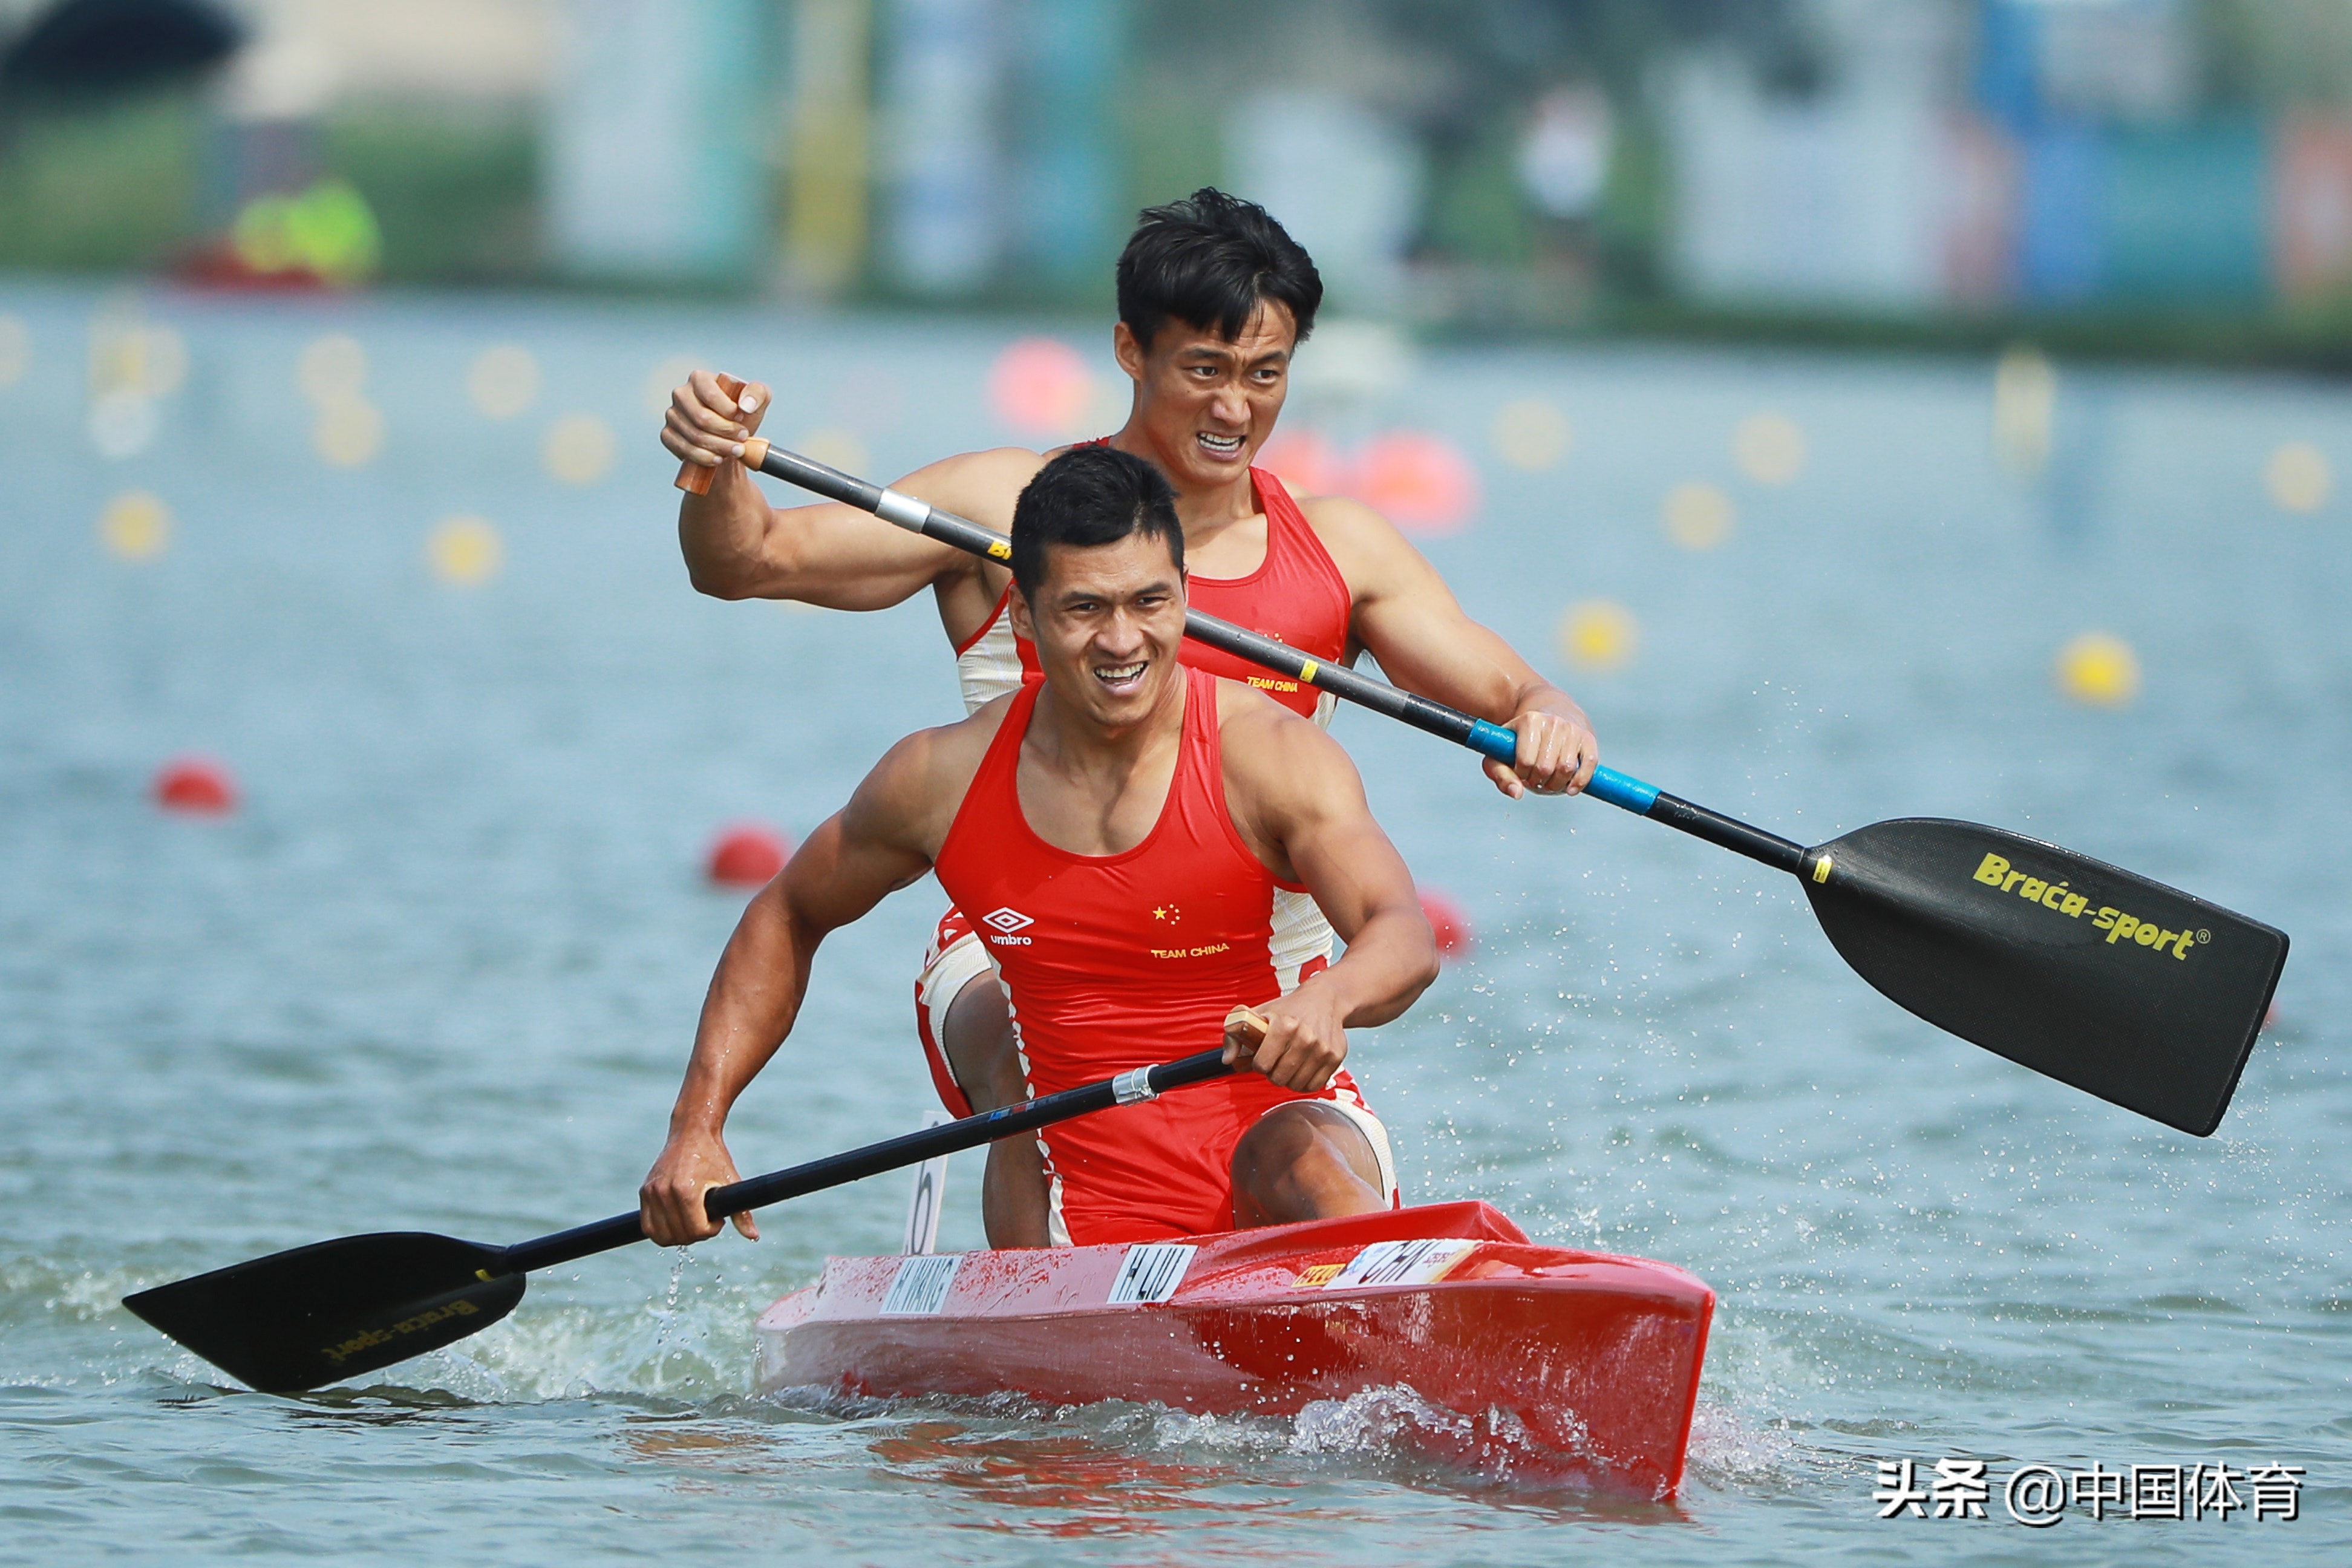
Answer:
(1996, 872)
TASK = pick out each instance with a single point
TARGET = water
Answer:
(441, 969)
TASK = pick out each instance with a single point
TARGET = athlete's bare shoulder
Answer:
(1270, 750)
(1282, 773)
(1354, 533)
(911, 797)
(1380, 564)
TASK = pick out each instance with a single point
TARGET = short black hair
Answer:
(1088, 496)
(1211, 260)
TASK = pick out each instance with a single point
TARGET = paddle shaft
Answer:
(835, 1169)
(1480, 735)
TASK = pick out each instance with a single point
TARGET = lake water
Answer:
(440, 969)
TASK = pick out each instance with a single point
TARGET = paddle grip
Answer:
(693, 477)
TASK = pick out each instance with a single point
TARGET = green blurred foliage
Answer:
(2276, 54)
(1174, 137)
(112, 184)
(455, 192)
(1476, 211)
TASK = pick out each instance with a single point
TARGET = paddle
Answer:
(2142, 995)
(334, 1310)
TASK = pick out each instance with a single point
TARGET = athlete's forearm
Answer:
(1390, 961)
(755, 995)
(724, 535)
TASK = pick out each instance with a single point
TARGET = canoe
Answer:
(1523, 1358)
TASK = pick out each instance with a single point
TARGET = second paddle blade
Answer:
(319, 1314)
(2138, 993)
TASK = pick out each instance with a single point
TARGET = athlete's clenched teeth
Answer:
(1220, 446)
(1120, 674)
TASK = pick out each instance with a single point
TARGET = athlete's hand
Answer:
(1557, 751)
(1303, 1044)
(669, 1204)
(704, 426)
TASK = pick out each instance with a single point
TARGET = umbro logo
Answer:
(1006, 921)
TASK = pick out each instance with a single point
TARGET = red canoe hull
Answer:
(1557, 1361)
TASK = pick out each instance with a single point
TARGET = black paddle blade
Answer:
(296, 1319)
(2135, 991)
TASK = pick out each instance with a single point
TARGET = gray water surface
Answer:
(441, 969)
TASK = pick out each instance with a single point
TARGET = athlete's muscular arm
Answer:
(1407, 619)
(1299, 804)
(739, 547)
(882, 840)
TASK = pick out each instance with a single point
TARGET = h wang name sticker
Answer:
(1151, 1272)
(1424, 1261)
(919, 1288)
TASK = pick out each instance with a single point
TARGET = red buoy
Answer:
(747, 854)
(196, 784)
(1447, 923)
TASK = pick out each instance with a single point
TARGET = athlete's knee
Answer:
(1304, 1161)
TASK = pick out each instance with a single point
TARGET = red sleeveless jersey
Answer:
(1296, 596)
(1111, 961)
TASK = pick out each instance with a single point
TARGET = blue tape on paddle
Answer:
(1622, 790)
(1493, 740)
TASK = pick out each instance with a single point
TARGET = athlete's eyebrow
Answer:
(1081, 593)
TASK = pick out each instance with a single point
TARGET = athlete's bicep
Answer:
(1302, 798)
(1405, 617)
(843, 558)
(839, 558)
(881, 841)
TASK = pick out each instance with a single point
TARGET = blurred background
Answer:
(2141, 175)
(375, 793)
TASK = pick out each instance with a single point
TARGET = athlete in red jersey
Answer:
(1121, 822)
(1213, 299)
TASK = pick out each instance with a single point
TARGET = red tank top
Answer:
(1297, 595)
(1111, 961)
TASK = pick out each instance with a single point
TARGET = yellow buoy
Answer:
(1598, 634)
(579, 449)
(1530, 434)
(332, 369)
(1769, 447)
(135, 526)
(465, 550)
(2099, 670)
(503, 380)
(348, 432)
(15, 350)
(1696, 515)
(2298, 477)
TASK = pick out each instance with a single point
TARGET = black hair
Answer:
(1211, 260)
(1089, 496)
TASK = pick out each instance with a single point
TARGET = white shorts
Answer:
(956, 958)
(1376, 1133)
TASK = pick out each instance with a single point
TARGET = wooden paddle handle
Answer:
(693, 477)
(1248, 1018)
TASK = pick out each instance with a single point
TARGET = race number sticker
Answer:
(1421, 1262)
(921, 1286)
(1151, 1272)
